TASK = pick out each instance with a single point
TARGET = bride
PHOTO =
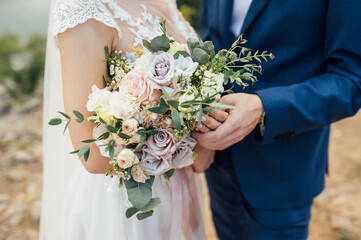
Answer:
(79, 201)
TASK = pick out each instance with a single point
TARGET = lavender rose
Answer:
(156, 153)
(160, 70)
(151, 165)
(182, 157)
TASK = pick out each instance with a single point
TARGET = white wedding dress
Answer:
(78, 205)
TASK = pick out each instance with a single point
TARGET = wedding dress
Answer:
(78, 205)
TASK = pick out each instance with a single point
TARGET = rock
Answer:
(35, 212)
(17, 175)
(31, 105)
(12, 216)
(4, 198)
(17, 236)
(339, 221)
(5, 104)
(23, 156)
(329, 194)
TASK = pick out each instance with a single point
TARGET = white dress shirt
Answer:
(240, 9)
(239, 13)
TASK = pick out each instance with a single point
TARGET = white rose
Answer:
(208, 91)
(185, 66)
(184, 98)
(126, 158)
(142, 62)
(123, 105)
(97, 98)
(176, 47)
(138, 174)
(130, 126)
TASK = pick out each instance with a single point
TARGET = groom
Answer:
(275, 141)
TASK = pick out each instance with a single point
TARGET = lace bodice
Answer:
(134, 20)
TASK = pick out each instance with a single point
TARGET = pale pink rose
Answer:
(126, 158)
(138, 174)
(155, 96)
(160, 70)
(97, 132)
(182, 157)
(135, 84)
(130, 126)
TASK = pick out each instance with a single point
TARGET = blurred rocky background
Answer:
(336, 212)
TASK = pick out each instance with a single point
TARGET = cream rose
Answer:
(97, 99)
(126, 158)
(123, 105)
(130, 126)
(138, 174)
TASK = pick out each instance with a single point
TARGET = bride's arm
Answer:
(83, 64)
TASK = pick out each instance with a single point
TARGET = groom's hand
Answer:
(242, 119)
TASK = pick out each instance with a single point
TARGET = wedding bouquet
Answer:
(151, 103)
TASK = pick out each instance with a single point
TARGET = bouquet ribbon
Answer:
(185, 206)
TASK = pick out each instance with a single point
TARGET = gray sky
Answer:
(24, 16)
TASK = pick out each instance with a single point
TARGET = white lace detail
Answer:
(70, 13)
(182, 26)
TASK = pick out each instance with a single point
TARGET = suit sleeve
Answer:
(326, 98)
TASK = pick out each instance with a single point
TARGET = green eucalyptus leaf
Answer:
(173, 103)
(192, 44)
(55, 121)
(152, 132)
(86, 155)
(112, 129)
(111, 151)
(169, 173)
(140, 196)
(153, 203)
(66, 126)
(208, 46)
(141, 216)
(88, 141)
(78, 114)
(179, 53)
(131, 183)
(102, 120)
(73, 152)
(163, 103)
(160, 43)
(131, 211)
(176, 119)
(83, 150)
(160, 110)
(200, 56)
(147, 44)
(124, 136)
(65, 115)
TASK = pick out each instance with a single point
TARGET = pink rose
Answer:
(182, 157)
(135, 84)
(160, 70)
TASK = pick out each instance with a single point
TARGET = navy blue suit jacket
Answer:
(315, 80)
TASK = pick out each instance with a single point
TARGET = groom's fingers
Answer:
(210, 122)
(219, 115)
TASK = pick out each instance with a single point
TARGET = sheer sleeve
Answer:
(70, 13)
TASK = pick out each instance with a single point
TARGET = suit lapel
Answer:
(255, 9)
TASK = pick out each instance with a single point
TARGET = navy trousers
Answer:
(236, 219)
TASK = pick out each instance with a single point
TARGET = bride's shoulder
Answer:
(70, 13)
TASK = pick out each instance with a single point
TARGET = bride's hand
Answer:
(212, 121)
(204, 159)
